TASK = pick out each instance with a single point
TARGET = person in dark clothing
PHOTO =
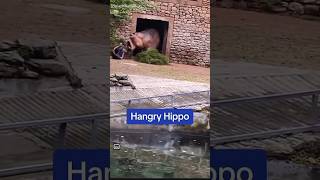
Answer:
(119, 51)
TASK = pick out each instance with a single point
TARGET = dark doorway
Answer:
(161, 26)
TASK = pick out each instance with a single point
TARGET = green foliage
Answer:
(152, 56)
(120, 11)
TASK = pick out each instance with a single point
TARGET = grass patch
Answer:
(152, 56)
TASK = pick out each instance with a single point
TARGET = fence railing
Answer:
(93, 118)
(314, 95)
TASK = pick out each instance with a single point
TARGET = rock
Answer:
(113, 83)
(307, 1)
(11, 57)
(240, 4)
(311, 9)
(7, 71)
(125, 82)
(29, 74)
(74, 80)
(297, 8)
(7, 45)
(113, 79)
(254, 5)
(243, 4)
(278, 9)
(118, 84)
(198, 109)
(43, 49)
(121, 77)
(48, 67)
(227, 3)
(120, 81)
(284, 4)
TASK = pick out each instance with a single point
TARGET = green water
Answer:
(148, 162)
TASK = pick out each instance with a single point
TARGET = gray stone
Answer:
(243, 4)
(7, 45)
(278, 9)
(113, 79)
(311, 9)
(113, 83)
(125, 82)
(227, 3)
(74, 80)
(284, 4)
(7, 71)
(254, 5)
(307, 1)
(121, 76)
(297, 8)
(48, 67)
(120, 85)
(240, 5)
(11, 57)
(39, 48)
(29, 74)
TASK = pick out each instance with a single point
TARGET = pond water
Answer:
(165, 161)
(160, 154)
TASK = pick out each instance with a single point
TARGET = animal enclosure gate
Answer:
(163, 25)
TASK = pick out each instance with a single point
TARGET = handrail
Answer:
(36, 168)
(266, 97)
(52, 121)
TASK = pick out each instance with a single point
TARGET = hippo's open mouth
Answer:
(130, 45)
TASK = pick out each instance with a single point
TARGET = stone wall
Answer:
(190, 33)
(289, 7)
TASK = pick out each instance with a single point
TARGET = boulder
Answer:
(296, 8)
(11, 57)
(311, 9)
(48, 67)
(29, 74)
(74, 80)
(7, 45)
(254, 5)
(284, 4)
(113, 83)
(42, 49)
(8, 71)
(278, 9)
(307, 1)
(121, 76)
(113, 79)
(227, 4)
(125, 82)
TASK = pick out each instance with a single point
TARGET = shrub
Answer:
(152, 56)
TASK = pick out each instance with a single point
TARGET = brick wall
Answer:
(190, 36)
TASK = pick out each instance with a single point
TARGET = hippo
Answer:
(144, 40)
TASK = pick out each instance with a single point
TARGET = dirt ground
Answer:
(266, 38)
(67, 20)
(173, 71)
